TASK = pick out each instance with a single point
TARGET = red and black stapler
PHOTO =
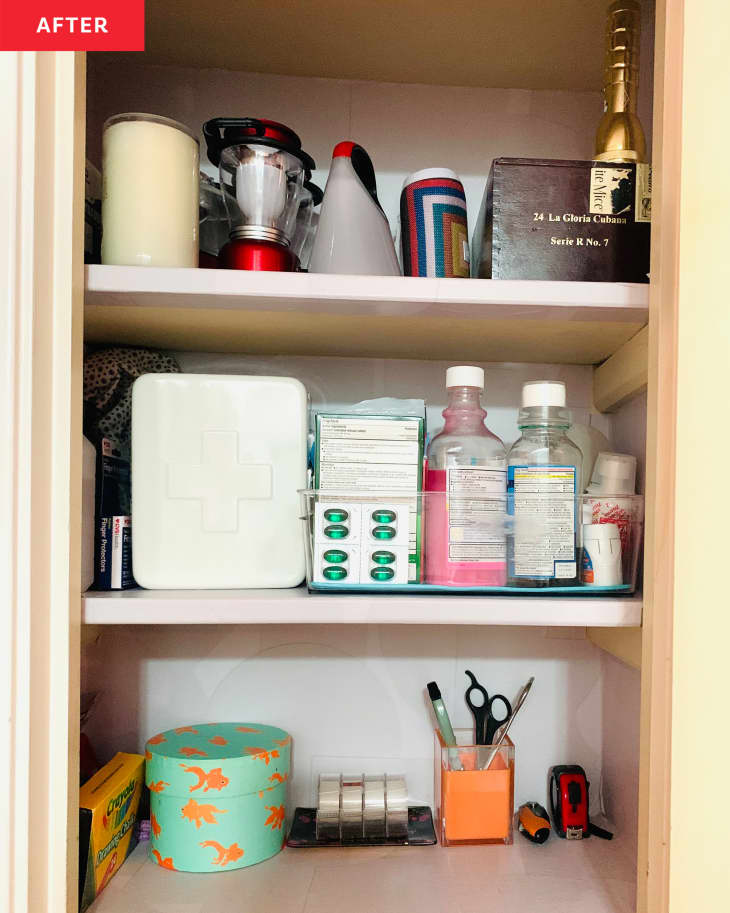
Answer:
(569, 804)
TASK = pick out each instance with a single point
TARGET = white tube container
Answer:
(602, 555)
(150, 192)
(613, 474)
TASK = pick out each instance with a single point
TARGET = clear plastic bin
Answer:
(627, 513)
(474, 790)
(439, 542)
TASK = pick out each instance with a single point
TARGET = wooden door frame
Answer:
(41, 321)
(650, 360)
(658, 616)
(696, 736)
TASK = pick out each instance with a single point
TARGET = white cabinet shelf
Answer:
(590, 875)
(310, 314)
(297, 606)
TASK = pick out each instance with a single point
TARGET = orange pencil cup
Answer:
(474, 786)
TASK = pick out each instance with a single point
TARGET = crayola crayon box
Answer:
(108, 806)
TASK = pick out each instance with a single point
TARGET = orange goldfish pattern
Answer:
(156, 829)
(276, 818)
(147, 755)
(213, 779)
(156, 740)
(157, 787)
(188, 751)
(166, 863)
(262, 753)
(182, 729)
(198, 813)
(218, 740)
(283, 742)
(226, 854)
(246, 729)
(278, 778)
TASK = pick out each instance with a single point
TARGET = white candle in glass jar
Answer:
(150, 192)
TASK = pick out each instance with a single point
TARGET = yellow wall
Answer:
(700, 837)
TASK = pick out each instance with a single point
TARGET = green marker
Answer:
(444, 723)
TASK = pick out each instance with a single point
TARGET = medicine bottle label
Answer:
(476, 501)
(588, 575)
(542, 501)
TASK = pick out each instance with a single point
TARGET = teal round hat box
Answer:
(217, 795)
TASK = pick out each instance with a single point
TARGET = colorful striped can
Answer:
(434, 236)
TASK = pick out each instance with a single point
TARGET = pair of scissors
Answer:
(485, 722)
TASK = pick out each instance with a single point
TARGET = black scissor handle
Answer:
(493, 722)
(475, 686)
(507, 708)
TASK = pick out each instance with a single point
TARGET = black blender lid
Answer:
(222, 132)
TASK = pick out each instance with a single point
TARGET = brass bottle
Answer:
(620, 137)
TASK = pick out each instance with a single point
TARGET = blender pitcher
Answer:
(262, 170)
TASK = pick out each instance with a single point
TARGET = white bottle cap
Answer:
(465, 376)
(428, 174)
(600, 532)
(543, 393)
(613, 474)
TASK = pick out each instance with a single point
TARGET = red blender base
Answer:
(248, 253)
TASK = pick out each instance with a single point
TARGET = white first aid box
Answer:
(217, 463)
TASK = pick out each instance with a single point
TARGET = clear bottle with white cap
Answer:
(543, 481)
(465, 541)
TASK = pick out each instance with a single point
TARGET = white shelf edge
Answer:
(602, 875)
(384, 295)
(297, 606)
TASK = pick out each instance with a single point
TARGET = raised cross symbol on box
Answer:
(219, 481)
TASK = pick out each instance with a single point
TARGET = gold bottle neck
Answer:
(620, 96)
(620, 136)
(621, 65)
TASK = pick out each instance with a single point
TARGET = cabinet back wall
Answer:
(403, 127)
(352, 696)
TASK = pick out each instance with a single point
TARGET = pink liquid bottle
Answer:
(465, 542)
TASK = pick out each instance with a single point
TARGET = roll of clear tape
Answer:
(373, 807)
(354, 806)
(351, 801)
(396, 806)
(328, 807)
